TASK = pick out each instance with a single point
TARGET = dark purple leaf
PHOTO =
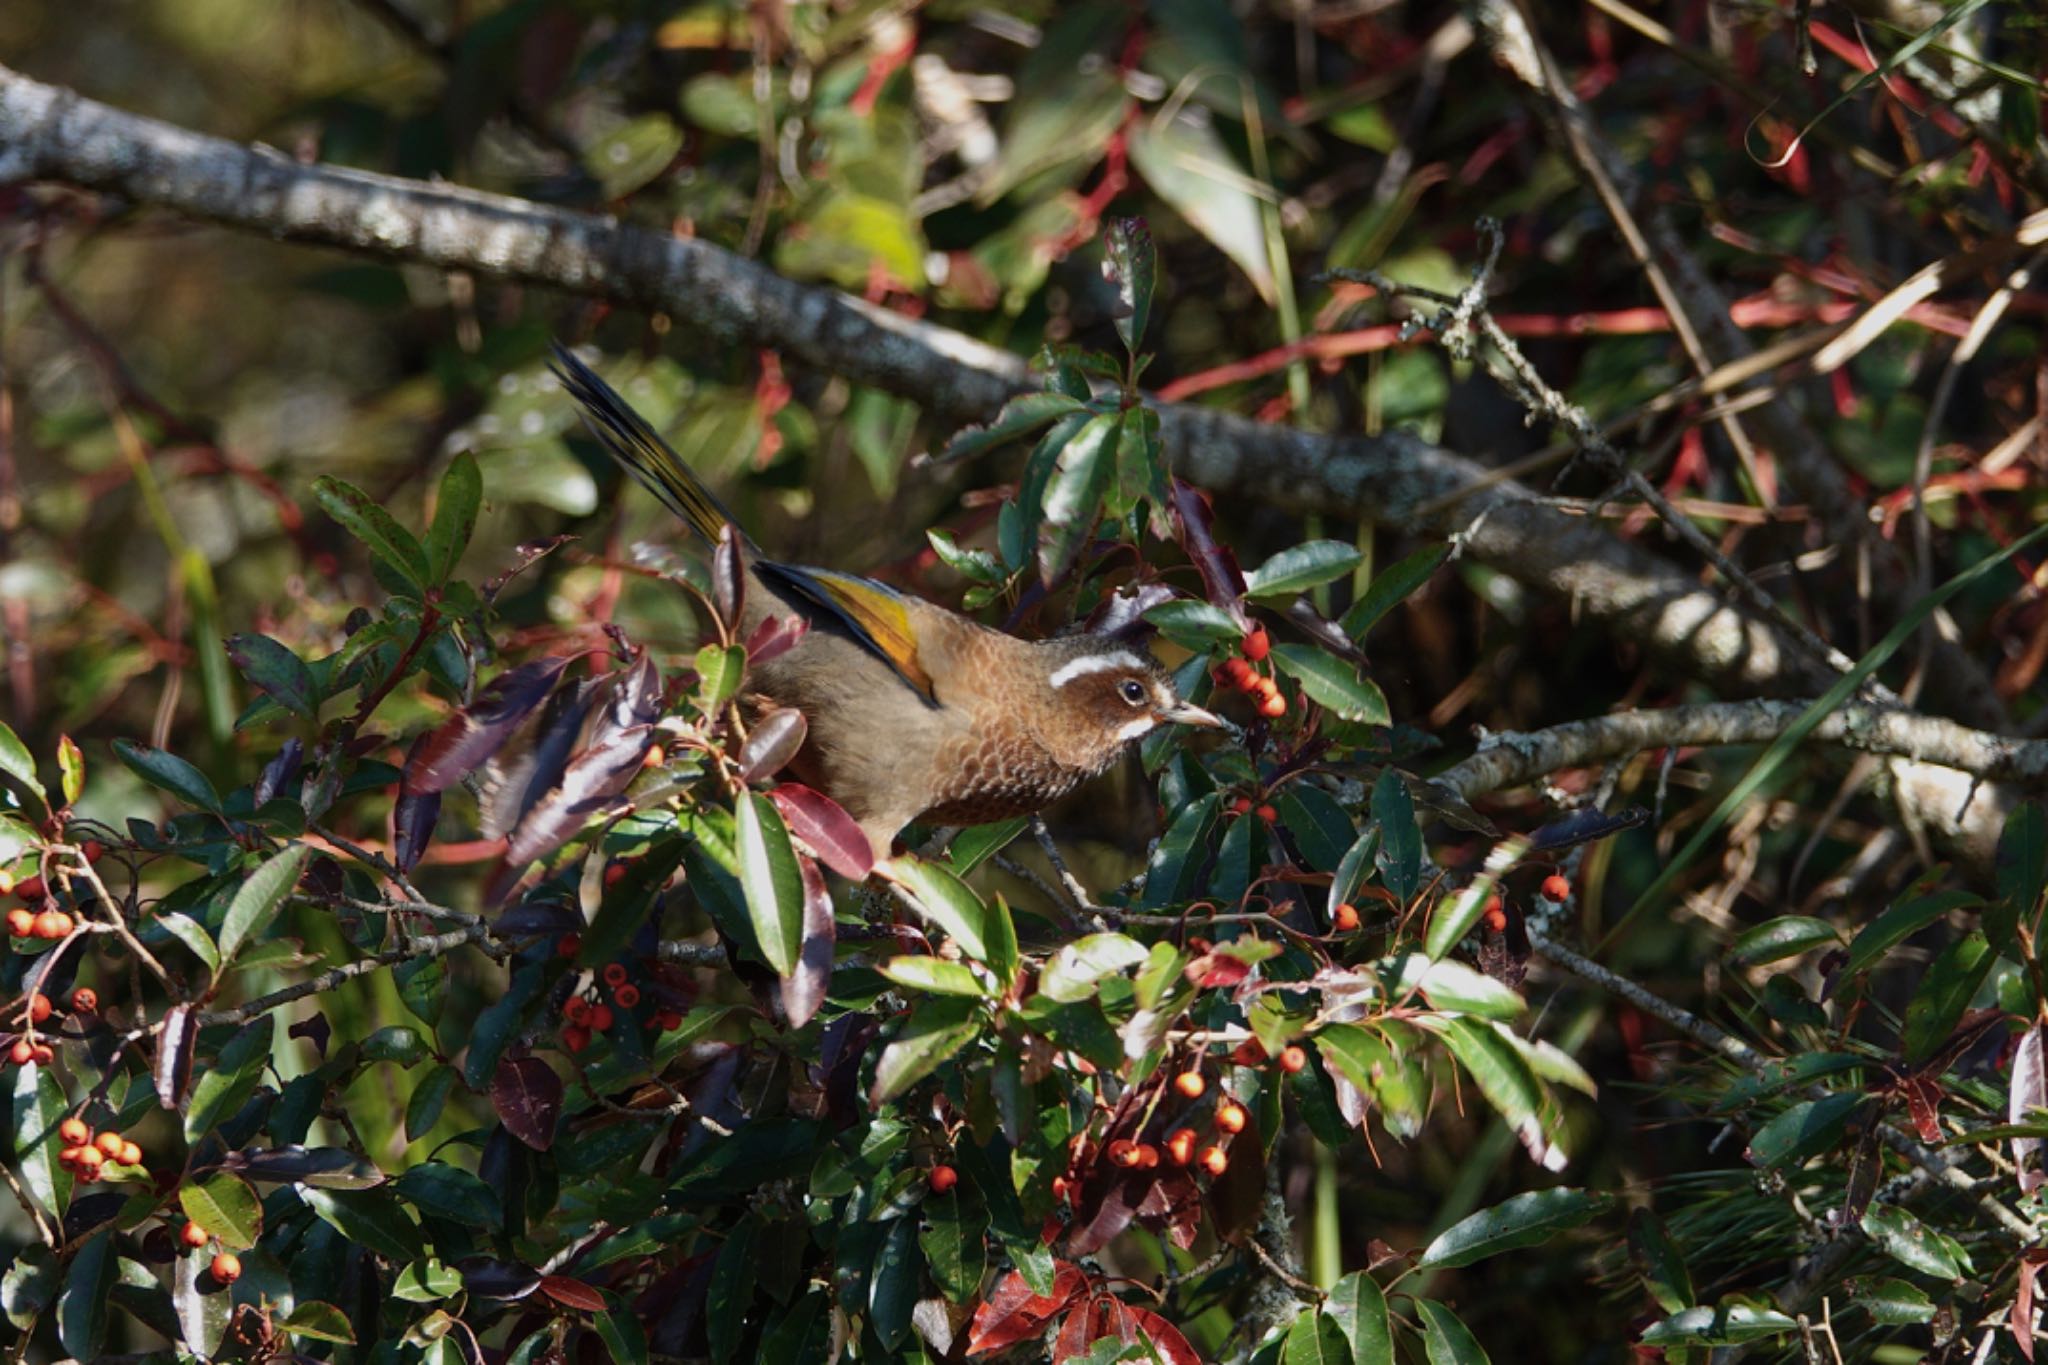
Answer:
(531, 764)
(315, 1029)
(728, 577)
(173, 1069)
(618, 741)
(775, 738)
(2029, 1092)
(413, 817)
(525, 556)
(88, 1212)
(1195, 523)
(1325, 632)
(826, 829)
(540, 917)
(279, 772)
(489, 1278)
(774, 637)
(460, 744)
(1123, 612)
(803, 990)
(327, 1168)
(572, 1293)
(527, 1094)
(1108, 1204)
(1584, 826)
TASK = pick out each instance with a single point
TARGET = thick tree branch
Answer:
(51, 134)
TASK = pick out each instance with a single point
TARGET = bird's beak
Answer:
(1187, 713)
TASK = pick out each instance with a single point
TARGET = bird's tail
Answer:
(634, 444)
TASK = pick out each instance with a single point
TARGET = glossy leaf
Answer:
(937, 1028)
(1301, 567)
(82, 1316)
(527, 1095)
(1445, 1336)
(1913, 1244)
(1077, 970)
(803, 991)
(39, 1106)
(1524, 1220)
(1660, 1261)
(1390, 586)
(1022, 415)
(1073, 499)
(826, 829)
(1185, 163)
(1359, 1308)
(1333, 684)
(280, 674)
(16, 762)
(1313, 1339)
(1726, 1325)
(1400, 855)
(1901, 922)
(466, 740)
(365, 518)
(772, 881)
(1783, 937)
(259, 898)
(224, 1086)
(1132, 266)
(1944, 993)
(772, 743)
(226, 1206)
(946, 902)
(933, 975)
(455, 508)
(161, 768)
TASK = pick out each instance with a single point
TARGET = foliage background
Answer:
(1263, 144)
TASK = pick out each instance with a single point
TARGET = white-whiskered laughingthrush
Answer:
(915, 712)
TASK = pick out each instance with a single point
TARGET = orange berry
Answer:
(1273, 706)
(1241, 806)
(85, 1000)
(1148, 1155)
(1496, 917)
(1250, 1052)
(1124, 1152)
(1251, 683)
(1292, 1059)
(30, 888)
(1230, 1117)
(41, 1054)
(93, 850)
(654, 757)
(942, 1179)
(576, 1037)
(1556, 888)
(52, 924)
(227, 1267)
(627, 995)
(109, 1143)
(1344, 918)
(22, 1053)
(21, 922)
(1215, 1160)
(6, 882)
(90, 1159)
(601, 1017)
(615, 974)
(129, 1155)
(1180, 1148)
(192, 1235)
(38, 1007)
(1190, 1084)
(1268, 814)
(1235, 670)
(74, 1132)
(568, 945)
(69, 1156)
(1257, 645)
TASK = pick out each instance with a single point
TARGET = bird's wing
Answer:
(878, 616)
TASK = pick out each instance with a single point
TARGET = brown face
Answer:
(1121, 695)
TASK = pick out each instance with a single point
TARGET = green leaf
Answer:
(30, 1285)
(1377, 1067)
(1301, 567)
(719, 670)
(1502, 1076)
(1359, 1309)
(2022, 864)
(938, 1028)
(1783, 937)
(399, 1043)
(1524, 1220)
(82, 1308)
(1392, 585)
(435, 1187)
(426, 1281)
(945, 901)
(1943, 994)
(258, 899)
(953, 1241)
(1803, 1131)
(321, 1322)
(1400, 859)
(1021, 416)
(1447, 1339)
(1660, 1261)
(275, 671)
(1073, 499)
(193, 935)
(1453, 919)
(1450, 985)
(429, 1097)
(161, 768)
(365, 518)
(1195, 623)
(625, 1340)
(1727, 1325)
(16, 762)
(455, 509)
(370, 1217)
(1332, 683)
(893, 1283)
(39, 1106)
(1894, 1303)
(1185, 162)
(934, 975)
(773, 882)
(1177, 862)
(1313, 1339)
(976, 844)
(226, 1206)
(1900, 923)
(1914, 1245)
(631, 155)
(222, 1088)
(1133, 267)
(1076, 971)
(71, 765)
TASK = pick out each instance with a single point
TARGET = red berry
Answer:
(1251, 683)
(21, 922)
(41, 1054)
(192, 1235)
(1242, 806)
(1236, 670)
(1292, 1059)
(1268, 814)
(93, 849)
(227, 1267)
(52, 924)
(614, 974)
(654, 757)
(576, 1010)
(1250, 1052)
(74, 1132)
(85, 1000)
(1496, 917)
(942, 1179)
(30, 888)
(568, 945)
(1273, 706)
(90, 1159)
(1215, 1160)
(576, 1037)
(1124, 1152)
(1190, 1084)
(38, 1008)
(614, 874)
(627, 995)
(1180, 1148)
(668, 1019)
(1556, 888)
(1230, 1117)
(129, 1155)
(1344, 918)
(1148, 1155)
(22, 1053)
(601, 1017)
(1256, 645)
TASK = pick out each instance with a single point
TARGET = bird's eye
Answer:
(1132, 691)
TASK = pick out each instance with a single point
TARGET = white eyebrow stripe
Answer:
(1094, 663)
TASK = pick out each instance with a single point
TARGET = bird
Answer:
(914, 713)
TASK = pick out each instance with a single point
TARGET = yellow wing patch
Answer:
(875, 614)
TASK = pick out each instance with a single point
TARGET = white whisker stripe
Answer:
(1095, 663)
(1134, 728)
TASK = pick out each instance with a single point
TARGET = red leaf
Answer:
(774, 637)
(826, 828)
(1077, 1331)
(2022, 1319)
(1012, 1312)
(572, 1293)
(527, 1094)
(461, 743)
(1166, 1339)
(774, 740)
(1217, 969)
(1923, 1102)
(1195, 521)
(1106, 1209)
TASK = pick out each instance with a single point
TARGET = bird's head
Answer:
(1106, 693)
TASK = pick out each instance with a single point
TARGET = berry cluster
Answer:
(39, 915)
(1241, 671)
(226, 1267)
(589, 1013)
(87, 1153)
(25, 1051)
